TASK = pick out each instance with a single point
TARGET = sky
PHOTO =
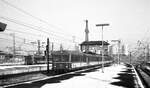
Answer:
(129, 20)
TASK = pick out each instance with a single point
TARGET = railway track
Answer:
(144, 75)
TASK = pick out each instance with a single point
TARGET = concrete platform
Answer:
(115, 76)
(17, 69)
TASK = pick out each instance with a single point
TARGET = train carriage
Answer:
(61, 61)
(67, 60)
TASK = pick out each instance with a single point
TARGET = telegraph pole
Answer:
(52, 57)
(52, 46)
(147, 53)
(102, 45)
(73, 37)
(38, 47)
(119, 51)
(47, 54)
(14, 46)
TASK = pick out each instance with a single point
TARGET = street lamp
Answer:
(102, 44)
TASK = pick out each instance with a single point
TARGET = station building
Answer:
(93, 47)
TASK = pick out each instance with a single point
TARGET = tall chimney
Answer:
(86, 31)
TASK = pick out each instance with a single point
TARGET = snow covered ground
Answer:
(94, 79)
(115, 76)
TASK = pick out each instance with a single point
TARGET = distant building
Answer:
(123, 50)
(94, 47)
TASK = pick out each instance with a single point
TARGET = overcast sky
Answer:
(129, 19)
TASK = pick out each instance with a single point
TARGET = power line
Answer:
(18, 45)
(17, 41)
(27, 13)
(5, 39)
(32, 34)
(17, 37)
(32, 40)
(31, 27)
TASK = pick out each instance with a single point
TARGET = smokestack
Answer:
(86, 31)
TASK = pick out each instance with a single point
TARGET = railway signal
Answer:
(2, 26)
(47, 52)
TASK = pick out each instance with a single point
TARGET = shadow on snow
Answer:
(126, 78)
(39, 84)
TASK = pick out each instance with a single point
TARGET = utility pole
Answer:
(33, 44)
(119, 51)
(102, 45)
(147, 53)
(73, 38)
(52, 46)
(14, 45)
(47, 54)
(61, 48)
(130, 56)
(38, 46)
(51, 56)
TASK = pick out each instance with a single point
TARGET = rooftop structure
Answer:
(94, 47)
(94, 43)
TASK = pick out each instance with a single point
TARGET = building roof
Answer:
(94, 43)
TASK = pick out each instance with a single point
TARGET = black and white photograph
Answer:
(74, 43)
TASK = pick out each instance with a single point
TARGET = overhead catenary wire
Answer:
(17, 41)
(31, 45)
(39, 19)
(58, 43)
(25, 12)
(29, 33)
(33, 27)
(18, 46)
(17, 36)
